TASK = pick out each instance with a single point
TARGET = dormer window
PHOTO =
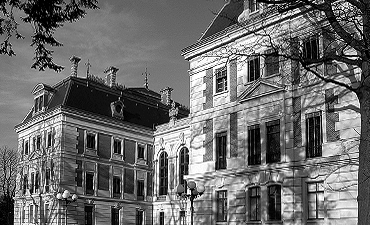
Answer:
(41, 94)
(253, 6)
(40, 102)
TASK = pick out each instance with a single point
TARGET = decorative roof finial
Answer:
(146, 74)
(88, 65)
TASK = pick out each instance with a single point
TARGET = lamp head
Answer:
(192, 185)
(59, 196)
(74, 197)
(66, 194)
(180, 189)
(201, 189)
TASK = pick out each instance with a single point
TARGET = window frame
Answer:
(221, 206)
(274, 203)
(91, 213)
(38, 142)
(87, 144)
(115, 218)
(117, 192)
(163, 173)
(26, 147)
(140, 189)
(273, 155)
(254, 145)
(183, 166)
(161, 218)
(313, 53)
(254, 64)
(182, 217)
(115, 151)
(141, 153)
(314, 149)
(221, 150)
(271, 57)
(221, 81)
(89, 191)
(257, 203)
(139, 218)
(316, 193)
(253, 5)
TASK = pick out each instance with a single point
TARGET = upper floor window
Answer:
(117, 146)
(274, 202)
(183, 166)
(38, 142)
(253, 5)
(221, 79)
(273, 141)
(311, 48)
(26, 147)
(221, 197)
(39, 103)
(140, 151)
(89, 183)
(163, 173)
(313, 135)
(253, 69)
(49, 139)
(221, 150)
(254, 203)
(47, 180)
(116, 186)
(140, 189)
(254, 145)
(271, 62)
(315, 196)
(91, 140)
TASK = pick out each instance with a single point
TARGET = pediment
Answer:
(260, 88)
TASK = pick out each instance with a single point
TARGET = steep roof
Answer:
(141, 106)
(226, 17)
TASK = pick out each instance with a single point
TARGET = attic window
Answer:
(40, 102)
(253, 6)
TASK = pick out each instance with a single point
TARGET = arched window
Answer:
(163, 173)
(183, 165)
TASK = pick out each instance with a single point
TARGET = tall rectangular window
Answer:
(25, 183)
(47, 180)
(38, 142)
(46, 214)
(315, 196)
(221, 79)
(116, 187)
(254, 204)
(311, 48)
(253, 69)
(90, 140)
(26, 148)
(161, 218)
(23, 214)
(140, 151)
(89, 183)
(117, 146)
(254, 145)
(89, 215)
(271, 62)
(140, 189)
(32, 183)
(49, 141)
(221, 143)
(274, 202)
(139, 217)
(182, 217)
(31, 214)
(221, 197)
(313, 135)
(115, 216)
(253, 6)
(273, 141)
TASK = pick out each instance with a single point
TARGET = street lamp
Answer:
(195, 192)
(65, 197)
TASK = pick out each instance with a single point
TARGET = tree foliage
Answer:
(45, 17)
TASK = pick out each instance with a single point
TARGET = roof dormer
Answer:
(41, 95)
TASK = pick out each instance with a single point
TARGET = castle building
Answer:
(94, 138)
(271, 143)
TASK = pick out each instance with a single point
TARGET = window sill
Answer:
(254, 222)
(91, 152)
(221, 92)
(274, 222)
(116, 156)
(272, 75)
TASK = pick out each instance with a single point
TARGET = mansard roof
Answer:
(142, 106)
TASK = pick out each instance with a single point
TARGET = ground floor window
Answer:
(89, 215)
(115, 216)
(161, 218)
(315, 196)
(139, 217)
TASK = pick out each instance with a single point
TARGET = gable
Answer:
(259, 89)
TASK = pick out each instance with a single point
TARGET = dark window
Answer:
(32, 182)
(38, 142)
(139, 217)
(253, 69)
(273, 141)
(140, 151)
(90, 139)
(116, 186)
(221, 79)
(163, 174)
(221, 206)
(313, 135)
(47, 180)
(36, 106)
(161, 218)
(25, 183)
(26, 148)
(315, 195)
(140, 189)
(115, 216)
(31, 215)
(253, 6)
(46, 214)
(274, 202)
(33, 143)
(182, 217)
(254, 204)
(254, 145)
(271, 62)
(117, 146)
(89, 215)
(37, 181)
(89, 183)
(183, 166)
(49, 139)
(221, 150)
(311, 48)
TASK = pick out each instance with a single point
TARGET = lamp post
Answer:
(195, 192)
(65, 197)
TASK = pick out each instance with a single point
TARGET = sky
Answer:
(129, 34)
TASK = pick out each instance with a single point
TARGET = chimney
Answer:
(74, 65)
(111, 75)
(166, 95)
